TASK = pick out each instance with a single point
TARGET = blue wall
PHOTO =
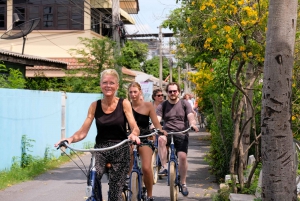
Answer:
(37, 114)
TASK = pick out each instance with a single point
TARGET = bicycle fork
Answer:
(92, 179)
(173, 159)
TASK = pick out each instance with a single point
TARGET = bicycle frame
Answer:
(92, 174)
(173, 158)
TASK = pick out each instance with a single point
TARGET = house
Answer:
(21, 61)
(61, 23)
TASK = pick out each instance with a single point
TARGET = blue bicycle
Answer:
(137, 191)
(173, 176)
(94, 189)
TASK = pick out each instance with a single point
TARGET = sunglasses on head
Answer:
(172, 91)
(159, 95)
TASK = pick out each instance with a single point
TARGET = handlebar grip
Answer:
(62, 144)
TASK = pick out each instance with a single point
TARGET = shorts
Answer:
(181, 142)
(147, 142)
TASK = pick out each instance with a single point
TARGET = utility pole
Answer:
(160, 58)
(170, 63)
(116, 21)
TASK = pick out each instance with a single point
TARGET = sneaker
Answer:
(163, 171)
(184, 190)
(150, 199)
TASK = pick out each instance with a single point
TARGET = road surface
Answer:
(68, 183)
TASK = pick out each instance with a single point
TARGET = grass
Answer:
(35, 167)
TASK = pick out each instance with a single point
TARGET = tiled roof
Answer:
(73, 64)
(30, 57)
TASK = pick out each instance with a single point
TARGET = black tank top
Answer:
(142, 121)
(110, 127)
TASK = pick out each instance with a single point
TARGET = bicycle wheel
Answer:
(134, 186)
(124, 197)
(154, 167)
(173, 184)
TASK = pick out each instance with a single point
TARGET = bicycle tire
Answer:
(173, 183)
(134, 186)
(124, 197)
(154, 166)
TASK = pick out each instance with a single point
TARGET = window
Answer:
(54, 14)
(2, 14)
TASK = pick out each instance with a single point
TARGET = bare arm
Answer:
(154, 118)
(192, 121)
(83, 131)
(135, 131)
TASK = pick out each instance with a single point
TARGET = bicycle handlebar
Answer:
(179, 132)
(156, 131)
(65, 144)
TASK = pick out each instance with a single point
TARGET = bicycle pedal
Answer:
(88, 191)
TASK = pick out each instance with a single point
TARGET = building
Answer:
(61, 23)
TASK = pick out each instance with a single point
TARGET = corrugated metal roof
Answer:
(26, 56)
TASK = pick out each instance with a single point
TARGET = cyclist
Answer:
(110, 114)
(157, 97)
(142, 111)
(175, 113)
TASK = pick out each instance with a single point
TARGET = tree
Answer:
(233, 32)
(151, 67)
(278, 181)
(93, 58)
(133, 55)
(11, 78)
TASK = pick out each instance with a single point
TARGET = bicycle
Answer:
(136, 189)
(94, 189)
(173, 173)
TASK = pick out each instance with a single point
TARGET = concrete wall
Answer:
(38, 115)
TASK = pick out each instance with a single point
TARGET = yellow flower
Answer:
(188, 20)
(193, 3)
(190, 28)
(228, 45)
(244, 55)
(227, 28)
(206, 45)
(242, 48)
(293, 118)
(214, 26)
(202, 7)
(229, 40)
(209, 40)
(241, 2)
(250, 54)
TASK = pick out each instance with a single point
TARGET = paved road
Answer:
(67, 183)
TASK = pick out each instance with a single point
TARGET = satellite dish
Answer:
(21, 30)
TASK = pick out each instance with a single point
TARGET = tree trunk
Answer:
(278, 173)
(248, 113)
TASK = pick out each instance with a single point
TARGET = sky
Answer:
(152, 13)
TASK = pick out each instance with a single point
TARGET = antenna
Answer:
(21, 30)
